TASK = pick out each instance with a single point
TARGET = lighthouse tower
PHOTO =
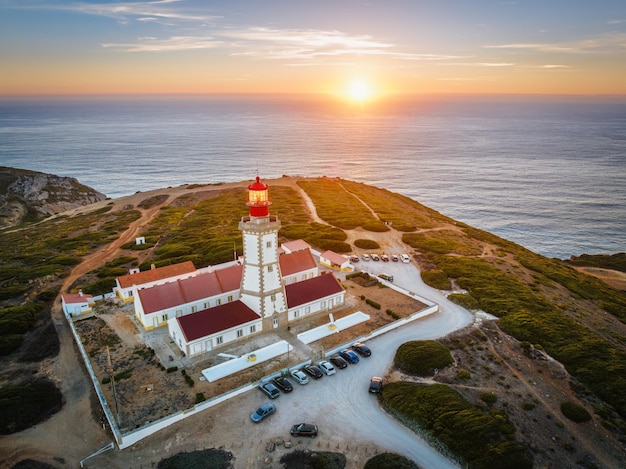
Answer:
(262, 288)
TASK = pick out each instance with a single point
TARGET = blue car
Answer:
(349, 355)
(264, 411)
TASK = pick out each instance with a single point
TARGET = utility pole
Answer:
(112, 377)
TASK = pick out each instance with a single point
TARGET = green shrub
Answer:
(24, 406)
(484, 440)
(366, 244)
(463, 374)
(422, 357)
(200, 397)
(172, 369)
(465, 300)
(436, 279)
(372, 303)
(488, 398)
(390, 461)
(574, 412)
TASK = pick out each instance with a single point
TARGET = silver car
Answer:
(327, 367)
(299, 376)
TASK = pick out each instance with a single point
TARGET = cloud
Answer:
(124, 12)
(175, 43)
(605, 43)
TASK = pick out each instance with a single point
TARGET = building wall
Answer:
(160, 318)
(322, 304)
(212, 342)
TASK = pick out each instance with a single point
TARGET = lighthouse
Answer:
(262, 289)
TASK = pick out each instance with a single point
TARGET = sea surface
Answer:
(548, 173)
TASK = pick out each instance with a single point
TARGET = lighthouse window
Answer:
(270, 268)
(268, 244)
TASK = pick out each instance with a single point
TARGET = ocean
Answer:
(548, 173)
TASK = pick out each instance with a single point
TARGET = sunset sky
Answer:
(350, 47)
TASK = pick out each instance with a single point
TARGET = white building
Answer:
(75, 304)
(207, 309)
(149, 278)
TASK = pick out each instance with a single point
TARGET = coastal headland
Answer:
(525, 358)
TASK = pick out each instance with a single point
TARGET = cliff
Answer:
(31, 195)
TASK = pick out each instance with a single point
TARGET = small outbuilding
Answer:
(335, 261)
(75, 304)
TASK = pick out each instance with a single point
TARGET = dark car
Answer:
(362, 349)
(283, 384)
(376, 384)
(349, 356)
(264, 411)
(313, 371)
(269, 389)
(304, 429)
(339, 362)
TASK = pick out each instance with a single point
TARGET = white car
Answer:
(299, 376)
(327, 367)
(405, 258)
(365, 257)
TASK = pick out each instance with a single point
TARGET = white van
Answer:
(405, 258)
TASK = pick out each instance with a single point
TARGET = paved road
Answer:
(341, 405)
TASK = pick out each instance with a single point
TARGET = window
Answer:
(206, 305)
(252, 329)
(239, 332)
(270, 268)
(273, 297)
(219, 340)
(218, 301)
(194, 309)
(307, 310)
(230, 298)
(163, 317)
(296, 313)
(179, 312)
(268, 244)
(323, 305)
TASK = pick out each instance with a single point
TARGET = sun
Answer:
(359, 91)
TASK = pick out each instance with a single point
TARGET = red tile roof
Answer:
(213, 320)
(153, 275)
(169, 295)
(296, 245)
(297, 261)
(75, 298)
(333, 257)
(306, 291)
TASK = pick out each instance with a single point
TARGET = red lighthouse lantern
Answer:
(258, 199)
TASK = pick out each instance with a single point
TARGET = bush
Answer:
(488, 398)
(366, 244)
(483, 439)
(421, 357)
(574, 412)
(436, 279)
(390, 461)
(372, 303)
(23, 406)
(203, 459)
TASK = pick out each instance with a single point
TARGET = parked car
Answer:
(375, 257)
(269, 389)
(338, 362)
(384, 258)
(313, 371)
(394, 257)
(349, 356)
(386, 276)
(354, 259)
(299, 376)
(283, 384)
(405, 258)
(362, 349)
(264, 411)
(366, 257)
(304, 429)
(327, 367)
(376, 384)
